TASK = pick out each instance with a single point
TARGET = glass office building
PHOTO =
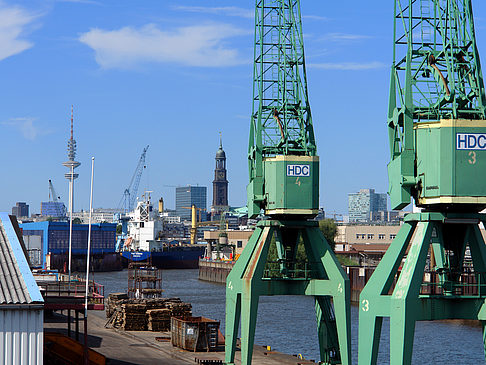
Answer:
(362, 204)
(20, 210)
(188, 196)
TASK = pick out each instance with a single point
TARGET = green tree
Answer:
(119, 229)
(76, 221)
(329, 229)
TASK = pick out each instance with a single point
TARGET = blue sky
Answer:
(172, 75)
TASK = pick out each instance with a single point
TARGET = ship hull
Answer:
(98, 262)
(175, 258)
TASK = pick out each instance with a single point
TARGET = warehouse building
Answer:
(42, 238)
(21, 303)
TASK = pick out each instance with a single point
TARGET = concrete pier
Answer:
(214, 271)
(142, 347)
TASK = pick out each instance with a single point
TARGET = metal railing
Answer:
(468, 285)
(296, 273)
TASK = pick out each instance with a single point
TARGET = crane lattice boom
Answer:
(281, 122)
(127, 202)
(436, 75)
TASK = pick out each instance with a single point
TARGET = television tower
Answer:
(71, 164)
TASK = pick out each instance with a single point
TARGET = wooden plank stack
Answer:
(143, 314)
(158, 319)
(134, 317)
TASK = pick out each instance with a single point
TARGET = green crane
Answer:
(437, 136)
(284, 187)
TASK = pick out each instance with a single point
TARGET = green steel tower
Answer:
(284, 186)
(437, 136)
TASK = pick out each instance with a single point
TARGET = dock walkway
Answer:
(141, 347)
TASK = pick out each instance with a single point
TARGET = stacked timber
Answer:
(113, 299)
(134, 317)
(180, 309)
(143, 314)
(158, 319)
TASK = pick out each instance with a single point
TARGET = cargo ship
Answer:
(141, 240)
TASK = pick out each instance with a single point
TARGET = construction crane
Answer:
(437, 135)
(127, 202)
(284, 186)
(59, 208)
(52, 193)
(195, 222)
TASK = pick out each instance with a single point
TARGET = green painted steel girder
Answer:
(281, 121)
(325, 280)
(284, 183)
(435, 76)
(413, 296)
(437, 109)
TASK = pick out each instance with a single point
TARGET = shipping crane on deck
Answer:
(127, 202)
(284, 186)
(437, 136)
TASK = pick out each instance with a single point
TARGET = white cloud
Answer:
(337, 37)
(26, 126)
(13, 21)
(199, 45)
(315, 17)
(348, 66)
(93, 2)
(223, 10)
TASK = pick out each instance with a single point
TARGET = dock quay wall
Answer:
(214, 271)
(217, 271)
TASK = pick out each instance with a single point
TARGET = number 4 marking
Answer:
(230, 285)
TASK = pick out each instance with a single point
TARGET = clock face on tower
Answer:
(221, 175)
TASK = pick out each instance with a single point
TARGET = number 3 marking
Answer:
(472, 160)
(366, 305)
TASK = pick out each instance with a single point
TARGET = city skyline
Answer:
(177, 97)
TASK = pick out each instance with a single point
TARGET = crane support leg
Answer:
(414, 296)
(338, 324)
(239, 300)
(247, 282)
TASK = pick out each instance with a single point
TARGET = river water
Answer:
(287, 323)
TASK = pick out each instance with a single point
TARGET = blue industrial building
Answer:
(42, 238)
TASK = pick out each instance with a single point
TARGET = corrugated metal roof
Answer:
(17, 285)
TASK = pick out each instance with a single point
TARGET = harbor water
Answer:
(287, 323)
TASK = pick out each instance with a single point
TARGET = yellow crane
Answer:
(197, 222)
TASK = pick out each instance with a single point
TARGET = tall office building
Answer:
(362, 204)
(188, 196)
(20, 210)
(220, 183)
